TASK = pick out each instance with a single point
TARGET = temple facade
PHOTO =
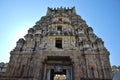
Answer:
(60, 46)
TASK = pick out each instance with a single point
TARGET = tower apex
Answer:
(61, 9)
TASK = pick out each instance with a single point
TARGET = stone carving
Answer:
(64, 36)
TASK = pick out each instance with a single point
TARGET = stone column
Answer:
(68, 74)
(72, 72)
(76, 70)
(44, 72)
(48, 74)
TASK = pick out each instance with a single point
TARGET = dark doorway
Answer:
(59, 28)
(58, 43)
(60, 19)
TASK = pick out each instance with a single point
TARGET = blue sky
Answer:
(17, 16)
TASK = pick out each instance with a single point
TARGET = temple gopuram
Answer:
(60, 46)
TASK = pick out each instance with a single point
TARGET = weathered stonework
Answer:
(61, 43)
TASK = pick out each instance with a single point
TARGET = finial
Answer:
(57, 8)
(68, 8)
(54, 8)
(49, 11)
(73, 10)
(64, 8)
(61, 7)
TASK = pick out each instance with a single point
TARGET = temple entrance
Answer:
(58, 68)
(64, 74)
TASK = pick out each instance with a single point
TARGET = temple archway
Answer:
(58, 68)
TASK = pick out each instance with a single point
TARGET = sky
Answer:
(17, 16)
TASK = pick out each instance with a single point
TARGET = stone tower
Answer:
(60, 46)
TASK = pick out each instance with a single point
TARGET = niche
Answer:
(58, 43)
